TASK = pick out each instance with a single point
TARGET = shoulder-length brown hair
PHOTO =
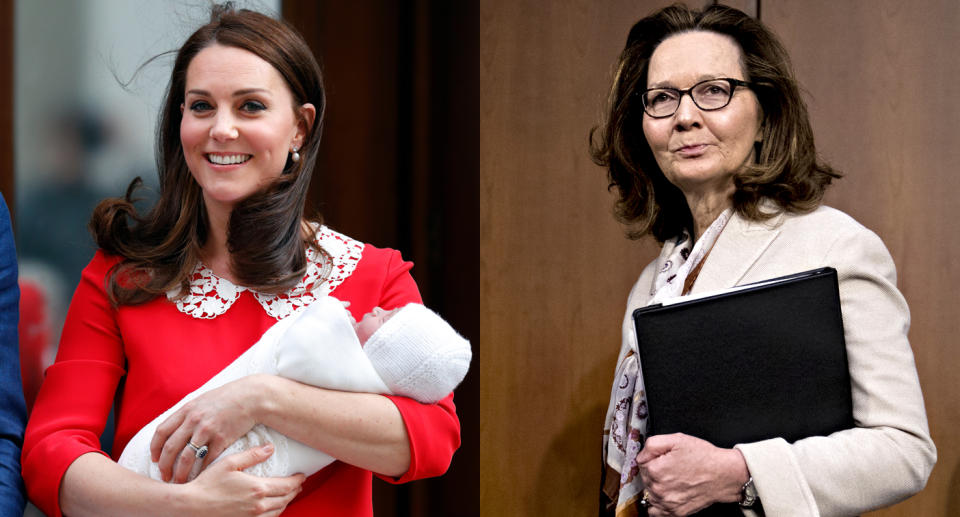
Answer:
(786, 169)
(265, 235)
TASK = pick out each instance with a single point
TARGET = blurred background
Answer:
(399, 164)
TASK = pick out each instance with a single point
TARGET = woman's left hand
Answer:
(214, 419)
(683, 474)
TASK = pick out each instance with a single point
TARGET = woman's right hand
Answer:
(224, 489)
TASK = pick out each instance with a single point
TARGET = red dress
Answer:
(149, 356)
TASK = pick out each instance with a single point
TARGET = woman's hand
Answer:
(683, 474)
(215, 419)
(224, 489)
(95, 486)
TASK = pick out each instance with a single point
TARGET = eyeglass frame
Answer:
(734, 83)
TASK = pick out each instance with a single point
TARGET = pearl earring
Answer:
(295, 156)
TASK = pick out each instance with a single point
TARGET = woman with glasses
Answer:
(708, 145)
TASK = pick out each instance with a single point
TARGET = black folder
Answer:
(765, 360)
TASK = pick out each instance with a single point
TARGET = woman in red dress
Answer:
(175, 295)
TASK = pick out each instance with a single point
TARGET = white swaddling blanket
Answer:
(319, 347)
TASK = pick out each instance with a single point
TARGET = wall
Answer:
(880, 78)
(555, 267)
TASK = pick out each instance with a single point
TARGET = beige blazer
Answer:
(888, 456)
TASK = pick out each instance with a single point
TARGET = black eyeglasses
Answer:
(708, 95)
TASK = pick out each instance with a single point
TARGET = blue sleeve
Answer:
(13, 413)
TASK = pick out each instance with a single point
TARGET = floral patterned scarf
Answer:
(626, 424)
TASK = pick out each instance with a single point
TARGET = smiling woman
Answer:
(239, 124)
(178, 293)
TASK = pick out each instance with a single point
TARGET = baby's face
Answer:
(371, 321)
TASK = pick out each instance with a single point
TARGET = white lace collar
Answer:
(211, 296)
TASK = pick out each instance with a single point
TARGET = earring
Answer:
(294, 155)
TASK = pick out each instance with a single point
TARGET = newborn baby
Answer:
(408, 351)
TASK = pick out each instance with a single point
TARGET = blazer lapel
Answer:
(738, 248)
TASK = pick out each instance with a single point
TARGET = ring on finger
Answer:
(198, 450)
(645, 500)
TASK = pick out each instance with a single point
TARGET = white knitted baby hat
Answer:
(418, 354)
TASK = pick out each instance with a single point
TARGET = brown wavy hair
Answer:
(787, 169)
(266, 236)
